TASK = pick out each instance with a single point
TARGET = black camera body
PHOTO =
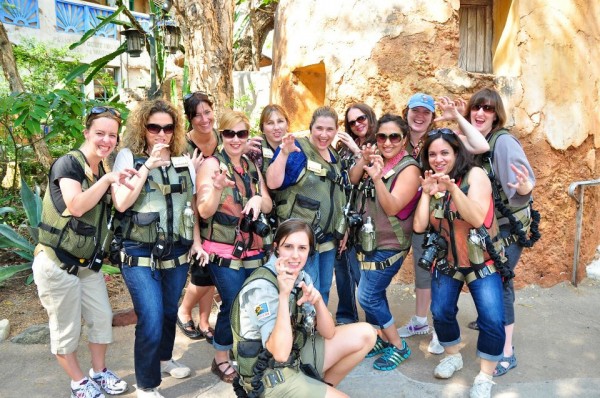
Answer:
(354, 219)
(96, 262)
(435, 249)
(260, 226)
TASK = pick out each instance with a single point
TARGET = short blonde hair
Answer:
(230, 118)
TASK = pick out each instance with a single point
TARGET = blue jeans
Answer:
(319, 267)
(347, 276)
(513, 253)
(487, 296)
(229, 283)
(155, 295)
(372, 290)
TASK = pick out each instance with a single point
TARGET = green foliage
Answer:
(22, 245)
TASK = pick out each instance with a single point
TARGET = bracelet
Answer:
(146, 166)
(359, 156)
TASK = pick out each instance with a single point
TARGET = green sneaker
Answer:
(392, 357)
(378, 348)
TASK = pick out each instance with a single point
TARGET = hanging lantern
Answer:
(134, 42)
(172, 33)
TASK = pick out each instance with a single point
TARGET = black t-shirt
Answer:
(66, 166)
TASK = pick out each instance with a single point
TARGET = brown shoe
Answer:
(227, 378)
(473, 325)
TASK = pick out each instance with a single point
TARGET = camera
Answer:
(354, 219)
(308, 311)
(260, 226)
(435, 249)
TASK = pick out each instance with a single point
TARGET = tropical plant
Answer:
(22, 245)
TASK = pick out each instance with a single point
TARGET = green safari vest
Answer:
(317, 197)
(159, 208)
(246, 351)
(81, 237)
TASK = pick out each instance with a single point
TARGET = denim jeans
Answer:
(319, 267)
(155, 295)
(513, 253)
(372, 294)
(347, 276)
(229, 283)
(487, 296)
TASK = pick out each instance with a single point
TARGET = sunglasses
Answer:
(394, 138)
(440, 131)
(203, 96)
(486, 108)
(229, 134)
(360, 119)
(157, 128)
(104, 109)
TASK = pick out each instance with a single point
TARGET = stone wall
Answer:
(544, 56)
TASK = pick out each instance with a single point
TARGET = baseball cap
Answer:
(420, 99)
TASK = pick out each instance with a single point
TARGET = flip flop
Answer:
(189, 329)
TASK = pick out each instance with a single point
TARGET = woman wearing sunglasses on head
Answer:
(456, 211)
(305, 175)
(231, 200)
(420, 116)
(74, 237)
(360, 124)
(157, 236)
(202, 142)
(513, 181)
(387, 195)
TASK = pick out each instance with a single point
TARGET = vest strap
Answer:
(236, 264)
(486, 270)
(380, 265)
(132, 261)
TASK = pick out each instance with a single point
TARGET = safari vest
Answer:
(445, 219)
(158, 210)
(317, 197)
(267, 156)
(222, 227)
(245, 351)
(487, 159)
(391, 233)
(81, 237)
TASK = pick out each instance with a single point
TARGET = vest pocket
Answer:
(79, 239)
(305, 208)
(224, 227)
(144, 227)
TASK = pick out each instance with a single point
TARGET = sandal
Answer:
(189, 329)
(473, 325)
(225, 377)
(502, 370)
(208, 334)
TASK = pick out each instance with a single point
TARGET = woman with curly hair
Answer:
(157, 238)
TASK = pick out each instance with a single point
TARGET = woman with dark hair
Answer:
(388, 193)
(231, 197)
(305, 175)
(285, 340)
(456, 211)
(513, 181)
(157, 238)
(420, 116)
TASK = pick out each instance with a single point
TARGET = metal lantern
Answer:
(172, 33)
(134, 42)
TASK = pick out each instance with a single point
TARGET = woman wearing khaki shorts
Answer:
(281, 324)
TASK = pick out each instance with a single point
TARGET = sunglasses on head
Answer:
(486, 108)
(157, 128)
(200, 94)
(394, 138)
(229, 134)
(440, 131)
(98, 110)
(360, 119)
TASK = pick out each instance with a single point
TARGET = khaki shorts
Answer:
(67, 298)
(296, 383)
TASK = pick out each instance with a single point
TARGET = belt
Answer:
(380, 265)
(325, 246)
(132, 261)
(236, 264)
(475, 274)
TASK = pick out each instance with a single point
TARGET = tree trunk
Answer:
(207, 32)
(263, 21)
(9, 67)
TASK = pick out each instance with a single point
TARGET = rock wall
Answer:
(544, 57)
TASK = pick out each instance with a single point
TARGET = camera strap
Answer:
(447, 216)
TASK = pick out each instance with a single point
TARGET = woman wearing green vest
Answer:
(387, 196)
(231, 197)
(157, 226)
(73, 230)
(305, 175)
(280, 319)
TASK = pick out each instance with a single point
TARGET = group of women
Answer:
(210, 197)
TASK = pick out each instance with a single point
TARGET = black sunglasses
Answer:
(440, 131)
(394, 138)
(360, 119)
(486, 108)
(157, 128)
(229, 134)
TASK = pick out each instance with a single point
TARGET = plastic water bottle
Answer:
(367, 236)
(188, 222)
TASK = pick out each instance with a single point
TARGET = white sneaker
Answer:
(434, 345)
(448, 366)
(175, 369)
(482, 386)
(412, 328)
(149, 393)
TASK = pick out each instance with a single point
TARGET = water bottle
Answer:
(188, 222)
(475, 245)
(367, 236)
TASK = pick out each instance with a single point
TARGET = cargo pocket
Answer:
(144, 227)
(305, 209)
(79, 239)
(227, 233)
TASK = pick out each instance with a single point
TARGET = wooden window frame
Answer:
(476, 30)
